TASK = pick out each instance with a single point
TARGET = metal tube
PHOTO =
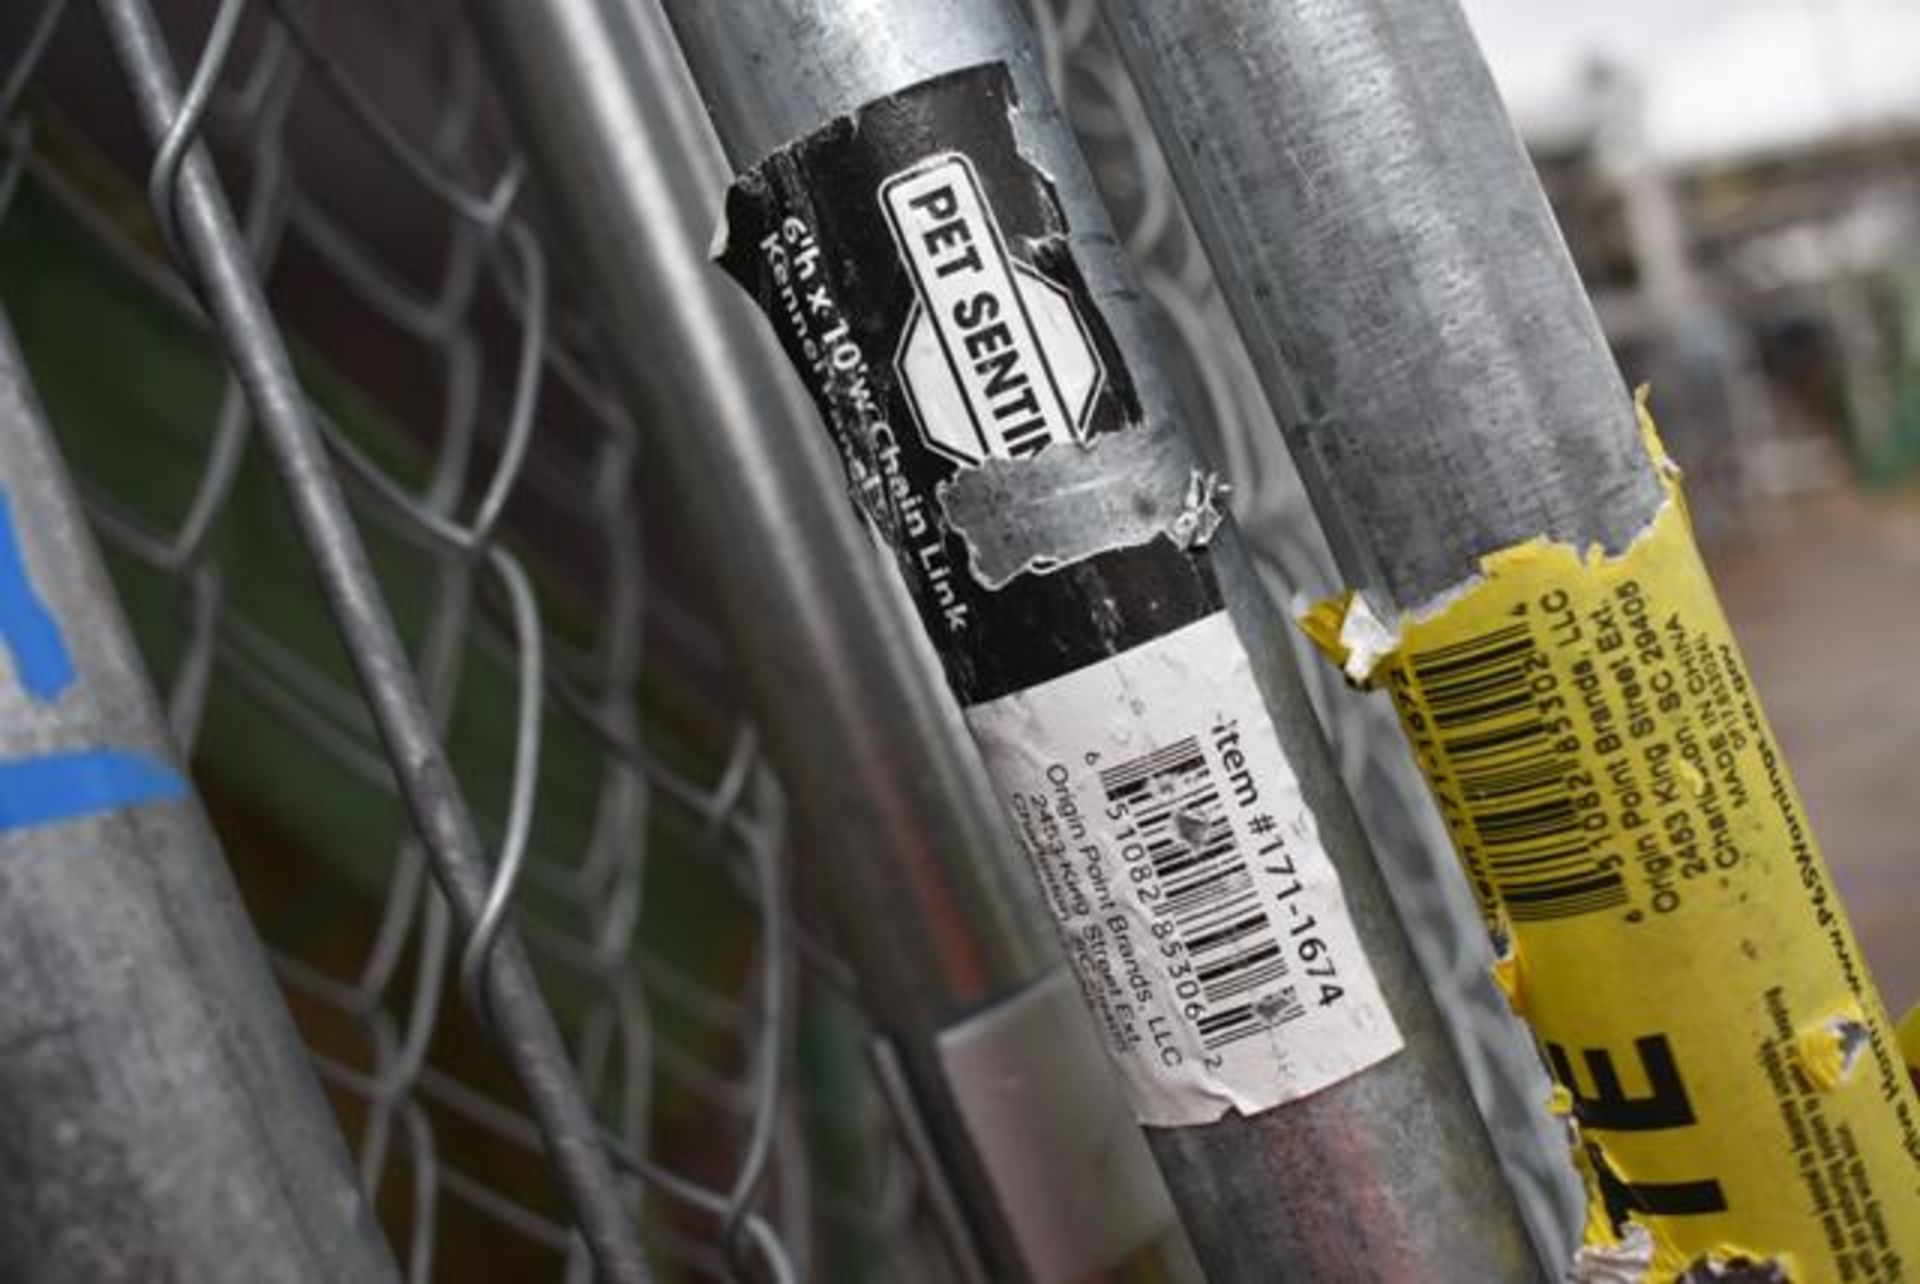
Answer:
(1386, 1174)
(1443, 383)
(157, 1116)
(955, 964)
(217, 260)
(1418, 327)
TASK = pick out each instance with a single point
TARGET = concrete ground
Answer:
(1824, 594)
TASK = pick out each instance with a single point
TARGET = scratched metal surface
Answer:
(152, 1090)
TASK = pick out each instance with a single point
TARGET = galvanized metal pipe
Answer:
(1405, 293)
(158, 1118)
(955, 963)
(1387, 1174)
(217, 259)
(1444, 385)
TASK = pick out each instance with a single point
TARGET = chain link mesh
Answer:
(583, 708)
(558, 630)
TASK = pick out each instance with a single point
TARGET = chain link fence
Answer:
(555, 620)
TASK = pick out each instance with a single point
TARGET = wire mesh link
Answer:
(558, 636)
(1272, 507)
(583, 707)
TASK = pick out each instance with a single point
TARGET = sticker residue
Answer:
(1672, 936)
(1063, 506)
(1201, 915)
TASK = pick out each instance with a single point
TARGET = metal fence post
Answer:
(1120, 666)
(1586, 721)
(988, 1053)
(157, 1117)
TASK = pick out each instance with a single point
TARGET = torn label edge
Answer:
(1360, 636)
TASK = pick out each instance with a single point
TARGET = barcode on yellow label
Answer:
(1517, 766)
(1670, 932)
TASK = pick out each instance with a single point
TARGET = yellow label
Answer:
(1668, 927)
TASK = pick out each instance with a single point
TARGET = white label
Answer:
(993, 359)
(1202, 917)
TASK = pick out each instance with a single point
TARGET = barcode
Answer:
(1512, 778)
(1206, 890)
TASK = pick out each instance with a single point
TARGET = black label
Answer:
(918, 273)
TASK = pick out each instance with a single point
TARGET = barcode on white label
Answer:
(1203, 919)
(1207, 890)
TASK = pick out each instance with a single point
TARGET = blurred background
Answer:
(1739, 181)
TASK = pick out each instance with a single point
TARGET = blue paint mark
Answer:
(28, 627)
(68, 784)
